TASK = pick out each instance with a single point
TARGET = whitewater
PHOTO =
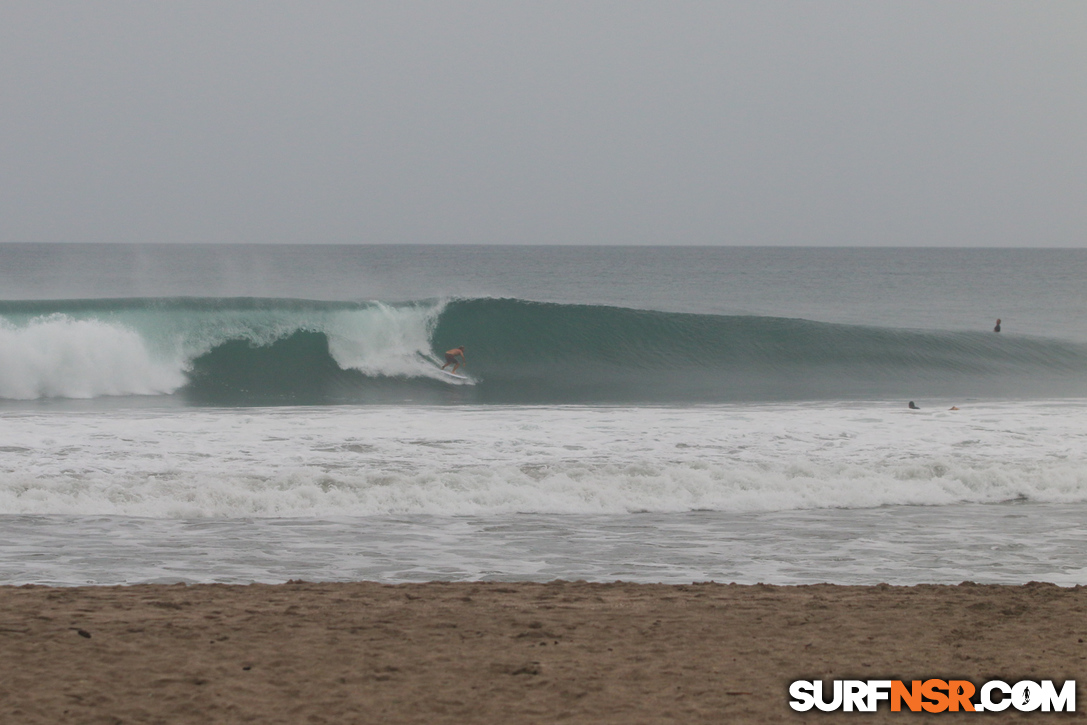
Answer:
(790, 493)
(367, 461)
(236, 414)
(94, 348)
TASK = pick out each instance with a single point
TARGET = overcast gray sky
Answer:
(742, 123)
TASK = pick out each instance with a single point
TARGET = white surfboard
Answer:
(452, 374)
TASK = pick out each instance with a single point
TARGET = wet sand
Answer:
(512, 653)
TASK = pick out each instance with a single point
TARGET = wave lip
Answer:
(256, 351)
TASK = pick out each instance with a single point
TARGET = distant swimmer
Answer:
(997, 328)
(451, 358)
(953, 408)
(913, 406)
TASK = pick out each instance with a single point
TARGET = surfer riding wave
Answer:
(451, 358)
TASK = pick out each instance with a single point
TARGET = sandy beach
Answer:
(511, 653)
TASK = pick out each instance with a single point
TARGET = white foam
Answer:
(56, 356)
(365, 461)
(384, 340)
(148, 351)
(1009, 544)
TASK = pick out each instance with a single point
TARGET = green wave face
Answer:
(537, 351)
(255, 351)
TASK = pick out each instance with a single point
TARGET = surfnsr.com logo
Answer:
(934, 696)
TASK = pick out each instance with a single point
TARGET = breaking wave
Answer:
(282, 351)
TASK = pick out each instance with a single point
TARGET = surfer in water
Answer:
(451, 358)
(997, 328)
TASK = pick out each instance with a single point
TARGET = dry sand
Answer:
(512, 653)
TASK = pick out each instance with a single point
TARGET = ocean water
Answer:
(262, 413)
